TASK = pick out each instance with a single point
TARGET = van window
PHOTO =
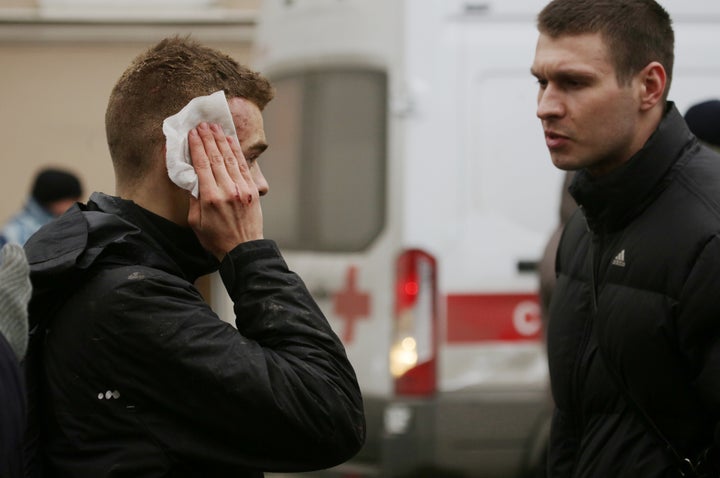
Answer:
(326, 164)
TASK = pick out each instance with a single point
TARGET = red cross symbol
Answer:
(350, 304)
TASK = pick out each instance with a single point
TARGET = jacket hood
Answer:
(111, 231)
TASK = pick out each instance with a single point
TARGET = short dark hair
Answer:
(636, 32)
(158, 84)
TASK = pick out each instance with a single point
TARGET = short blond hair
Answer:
(157, 84)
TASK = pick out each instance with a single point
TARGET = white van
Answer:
(412, 190)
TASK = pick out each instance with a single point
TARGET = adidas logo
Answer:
(619, 259)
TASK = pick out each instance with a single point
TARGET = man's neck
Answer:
(160, 197)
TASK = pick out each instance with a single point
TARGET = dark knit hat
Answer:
(55, 184)
(703, 119)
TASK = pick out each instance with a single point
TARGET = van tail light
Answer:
(413, 353)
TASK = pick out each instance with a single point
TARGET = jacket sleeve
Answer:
(277, 393)
(698, 328)
(561, 455)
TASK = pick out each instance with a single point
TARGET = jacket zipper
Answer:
(595, 255)
(596, 243)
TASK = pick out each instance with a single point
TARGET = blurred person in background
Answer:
(53, 192)
(703, 119)
(15, 293)
(546, 267)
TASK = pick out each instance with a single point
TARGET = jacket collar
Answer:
(164, 237)
(610, 202)
(115, 230)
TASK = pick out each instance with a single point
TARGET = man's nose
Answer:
(550, 103)
(260, 181)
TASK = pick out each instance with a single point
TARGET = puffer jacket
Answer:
(638, 296)
(132, 373)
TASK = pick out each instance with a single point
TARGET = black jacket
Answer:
(639, 286)
(137, 376)
(12, 412)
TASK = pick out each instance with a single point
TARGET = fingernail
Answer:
(214, 127)
(193, 132)
(203, 125)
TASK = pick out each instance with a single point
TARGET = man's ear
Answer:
(653, 81)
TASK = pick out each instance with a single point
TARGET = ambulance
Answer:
(411, 189)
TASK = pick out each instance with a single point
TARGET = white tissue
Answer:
(211, 109)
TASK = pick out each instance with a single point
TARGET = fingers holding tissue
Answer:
(203, 155)
(227, 211)
(212, 108)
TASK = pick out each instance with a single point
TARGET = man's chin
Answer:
(564, 163)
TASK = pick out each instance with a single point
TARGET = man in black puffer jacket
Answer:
(131, 373)
(634, 328)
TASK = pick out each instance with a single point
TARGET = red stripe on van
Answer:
(493, 317)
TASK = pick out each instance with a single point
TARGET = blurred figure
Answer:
(547, 277)
(15, 292)
(53, 192)
(703, 119)
(546, 267)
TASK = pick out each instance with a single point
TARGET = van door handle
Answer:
(320, 293)
(525, 266)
